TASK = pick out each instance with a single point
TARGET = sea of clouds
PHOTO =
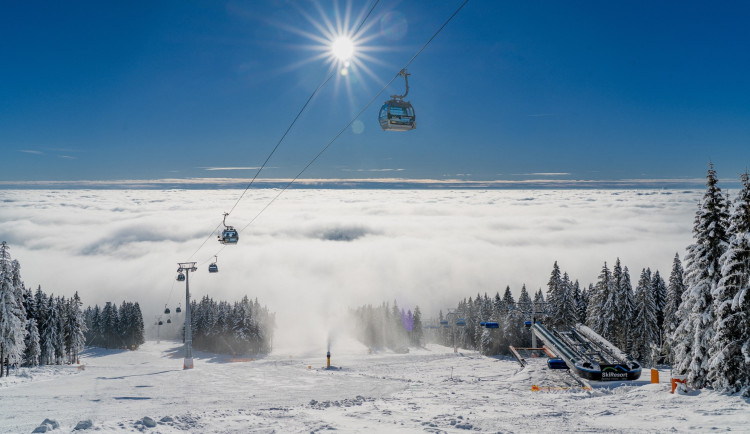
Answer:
(313, 254)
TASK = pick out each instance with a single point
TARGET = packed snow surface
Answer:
(426, 390)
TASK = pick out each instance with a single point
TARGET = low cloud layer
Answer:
(315, 253)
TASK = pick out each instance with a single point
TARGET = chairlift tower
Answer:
(187, 267)
(532, 309)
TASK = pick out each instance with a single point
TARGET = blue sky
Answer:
(508, 90)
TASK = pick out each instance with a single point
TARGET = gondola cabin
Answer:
(178, 310)
(229, 236)
(180, 277)
(397, 115)
(213, 268)
(166, 310)
(169, 321)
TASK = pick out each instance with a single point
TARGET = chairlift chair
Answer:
(397, 114)
(229, 235)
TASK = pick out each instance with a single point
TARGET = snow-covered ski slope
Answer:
(427, 390)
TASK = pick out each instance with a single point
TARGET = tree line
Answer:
(113, 327)
(35, 328)
(244, 327)
(388, 326)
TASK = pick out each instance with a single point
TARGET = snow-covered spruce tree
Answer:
(61, 349)
(702, 273)
(77, 326)
(674, 296)
(645, 330)
(524, 300)
(12, 315)
(33, 349)
(49, 332)
(567, 304)
(660, 298)
(601, 307)
(539, 304)
(555, 294)
(417, 334)
(729, 364)
(625, 311)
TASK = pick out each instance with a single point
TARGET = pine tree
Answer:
(625, 310)
(77, 326)
(729, 364)
(12, 314)
(49, 332)
(417, 331)
(555, 295)
(702, 273)
(660, 298)
(601, 307)
(674, 297)
(33, 349)
(645, 327)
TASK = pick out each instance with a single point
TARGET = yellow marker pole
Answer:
(328, 358)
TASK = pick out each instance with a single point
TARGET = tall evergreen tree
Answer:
(33, 349)
(12, 314)
(645, 327)
(660, 298)
(674, 297)
(702, 273)
(729, 365)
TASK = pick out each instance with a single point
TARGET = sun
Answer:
(342, 48)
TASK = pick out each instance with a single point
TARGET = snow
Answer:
(426, 390)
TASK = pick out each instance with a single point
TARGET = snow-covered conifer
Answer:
(729, 364)
(702, 273)
(674, 296)
(645, 329)
(33, 349)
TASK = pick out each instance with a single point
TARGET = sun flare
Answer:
(342, 48)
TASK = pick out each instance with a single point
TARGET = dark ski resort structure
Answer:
(587, 354)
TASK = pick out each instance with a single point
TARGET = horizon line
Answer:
(364, 183)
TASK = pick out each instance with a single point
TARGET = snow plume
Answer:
(314, 254)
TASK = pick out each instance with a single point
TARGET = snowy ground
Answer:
(430, 390)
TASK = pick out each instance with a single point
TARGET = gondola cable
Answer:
(328, 145)
(283, 136)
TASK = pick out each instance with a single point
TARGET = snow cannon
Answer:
(328, 359)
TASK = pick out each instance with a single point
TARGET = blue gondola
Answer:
(161, 323)
(229, 235)
(180, 277)
(492, 325)
(397, 114)
(166, 310)
(178, 310)
(169, 321)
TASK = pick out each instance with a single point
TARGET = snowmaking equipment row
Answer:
(588, 354)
